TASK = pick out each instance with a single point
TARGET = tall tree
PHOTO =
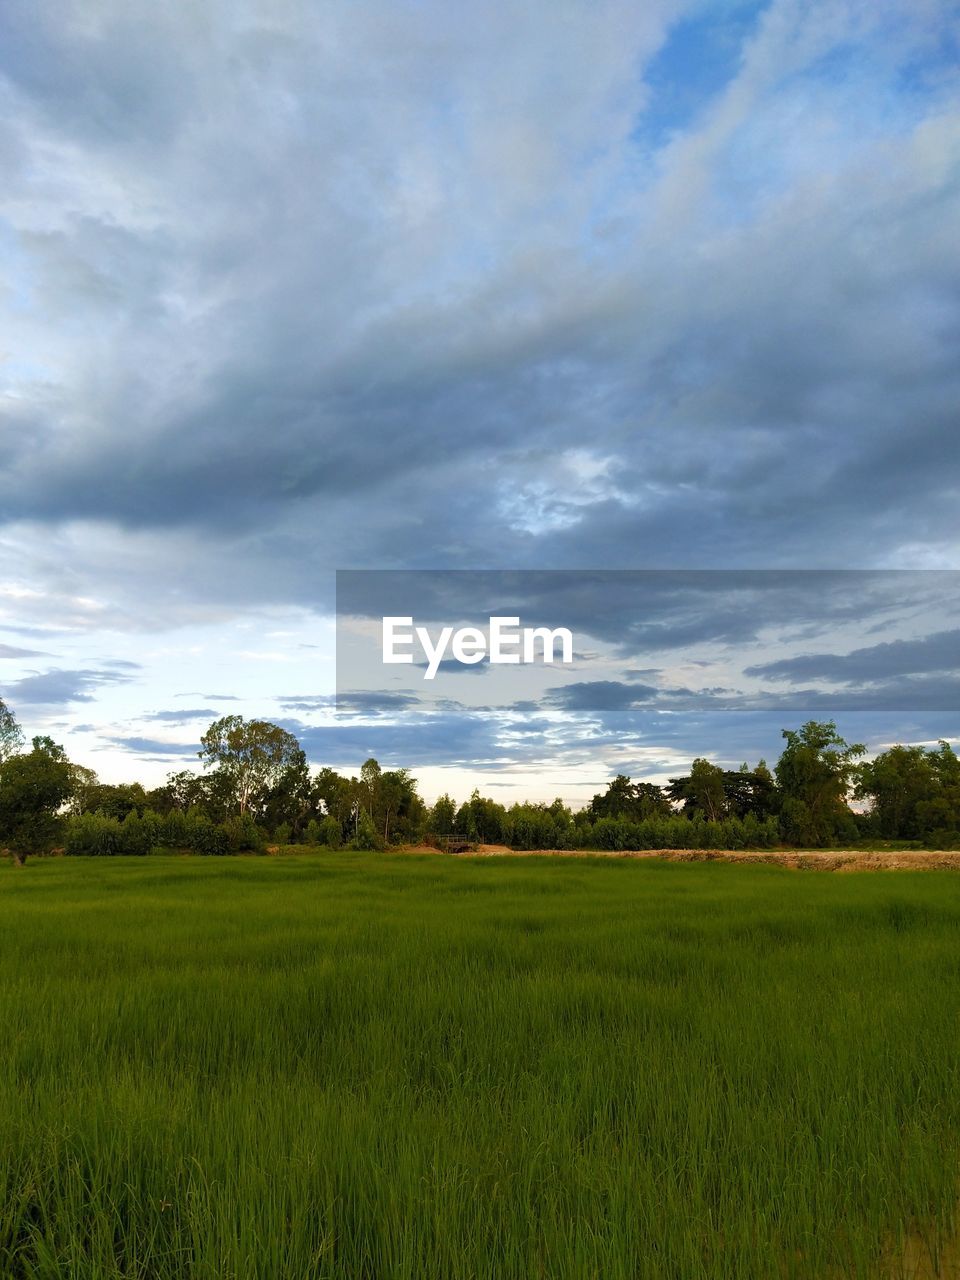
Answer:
(443, 815)
(815, 773)
(914, 792)
(84, 790)
(896, 782)
(633, 800)
(745, 790)
(11, 738)
(401, 809)
(333, 795)
(288, 801)
(703, 790)
(248, 756)
(33, 788)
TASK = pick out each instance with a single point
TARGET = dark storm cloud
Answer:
(935, 653)
(414, 743)
(601, 695)
(915, 693)
(661, 610)
(292, 287)
(505, 352)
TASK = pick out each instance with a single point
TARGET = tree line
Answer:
(256, 787)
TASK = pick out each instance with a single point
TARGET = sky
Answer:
(289, 288)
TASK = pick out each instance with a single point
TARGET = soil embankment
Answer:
(798, 859)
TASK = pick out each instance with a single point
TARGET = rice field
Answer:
(346, 1065)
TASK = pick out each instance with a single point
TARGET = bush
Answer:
(203, 836)
(365, 833)
(93, 835)
(137, 835)
(243, 835)
(328, 832)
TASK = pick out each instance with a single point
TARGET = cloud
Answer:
(450, 666)
(601, 695)
(361, 702)
(935, 653)
(506, 245)
(619, 285)
(11, 651)
(154, 746)
(55, 688)
(182, 716)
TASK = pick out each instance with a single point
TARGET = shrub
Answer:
(365, 833)
(93, 835)
(243, 835)
(328, 832)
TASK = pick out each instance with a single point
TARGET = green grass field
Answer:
(343, 1065)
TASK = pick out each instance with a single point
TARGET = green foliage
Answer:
(678, 832)
(328, 832)
(287, 802)
(815, 773)
(11, 737)
(92, 835)
(365, 835)
(443, 816)
(84, 786)
(915, 794)
(33, 787)
(243, 834)
(97, 835)
(715, 793)
(333, 795)
(633, 800)
(250, 757)
(113, 800)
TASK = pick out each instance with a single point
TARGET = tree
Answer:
(897, 782)
(744, 791)
(33, 788)
(635, 801)
(181, 792)
(762, 797)
(249, 756)
(814, 773)
(84, 786)
(370, 781)
(112, 799)
(442, 816)
(401, 809)
(332, 795)
(11, 738)
(703, 791)
(481, 819)
(288, 801)
(914, 793)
